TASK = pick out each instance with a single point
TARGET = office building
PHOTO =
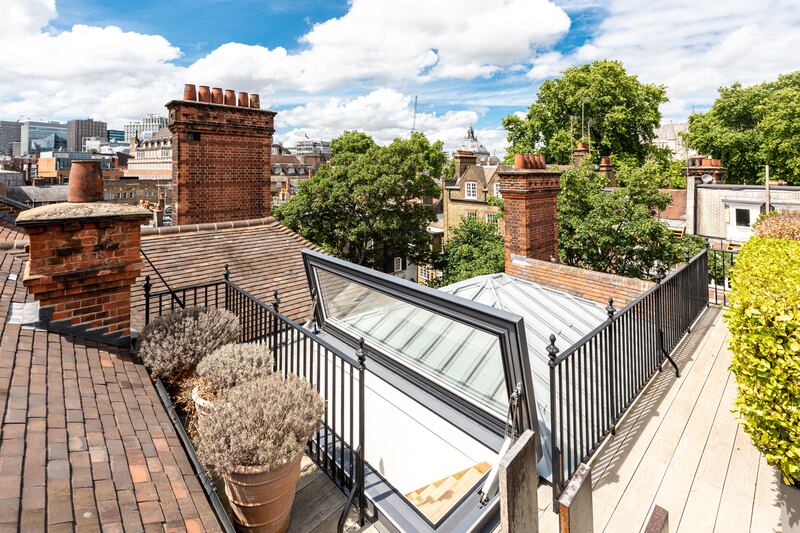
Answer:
(38, 136)
(78, 130)
(149, 124)
(9, 133)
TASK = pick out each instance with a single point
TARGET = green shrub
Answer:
(764, 321)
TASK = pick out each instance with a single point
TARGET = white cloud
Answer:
(692, 46)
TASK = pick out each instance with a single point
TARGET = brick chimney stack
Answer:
(701, 166)
(464, 160)
(607, 169)
(531, 214)
(84, 257)
(221, 155)
(581, 150)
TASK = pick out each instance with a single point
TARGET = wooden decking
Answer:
(318, 504)
(681, 448)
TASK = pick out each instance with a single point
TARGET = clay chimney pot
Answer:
(530, 162)
(85, 182)
(255, 102)
(189, 92)
(204, 95)
(519, 161)
(216, 95)
(243, 99)
(230, 97)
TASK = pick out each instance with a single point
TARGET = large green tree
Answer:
(366, 200)
(748, 127)
(617, 231)
(475, 248)
(623, 110)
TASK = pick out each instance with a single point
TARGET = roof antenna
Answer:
(414, 122)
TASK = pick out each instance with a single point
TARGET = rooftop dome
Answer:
(472, 144)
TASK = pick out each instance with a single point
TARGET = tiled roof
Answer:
(86, 443)
(34, 194)
(262, 257)
(10, 234)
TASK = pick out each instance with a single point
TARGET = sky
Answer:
(330, 66)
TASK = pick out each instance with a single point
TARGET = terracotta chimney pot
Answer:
(189, 92)
(605, 160)
(216, 95)
(85, 182)
(243, 99)
(540, 164)
(530, 162)
(230, 97)
(519, 161)
(582, 145)
(255, 101)
(204, 94)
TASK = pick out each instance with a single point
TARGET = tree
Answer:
(475, 248)
(748, 127)
(366, 200)
(617, 231)
(624, 113)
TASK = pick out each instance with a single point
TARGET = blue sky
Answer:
(330, 66)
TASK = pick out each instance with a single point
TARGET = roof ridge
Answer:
(206, 226)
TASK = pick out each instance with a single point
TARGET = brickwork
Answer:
(81, 271)
(531, 213)
(221, 161)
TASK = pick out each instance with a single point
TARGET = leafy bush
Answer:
(263, 422)
(780, 226)
(232, 364)
(172, 345)
(764, 321)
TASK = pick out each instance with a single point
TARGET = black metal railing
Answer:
(720, 263)
(338, 445)
(594, 382)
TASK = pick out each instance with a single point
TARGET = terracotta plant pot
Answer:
(519, 161)
(85, 182)
(261, 499)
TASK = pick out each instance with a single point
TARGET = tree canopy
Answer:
(624, 113)
(366, 199)
(617, 231)
(474, 248)
(748, 127)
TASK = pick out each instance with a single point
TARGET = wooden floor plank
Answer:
(736, 505)
(766, 504)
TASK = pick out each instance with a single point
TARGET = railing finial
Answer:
(552, 351)
(276, 301)
(147, 286)
(227, 273)
(610, 308)
(361, 354)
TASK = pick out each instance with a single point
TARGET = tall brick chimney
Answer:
(607, 169)
(531, 214)
(221, 156)
(84, 257)
(581, 150)
(463, 160)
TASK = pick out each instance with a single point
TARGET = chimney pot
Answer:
(519, 161)
(85, 182)
(216, 95)
(189, 92)
(230, 97)
(255, 101)
(204, 94)
(243, 99)
(529, 161)
(539, 159)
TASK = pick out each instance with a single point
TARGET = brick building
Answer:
(221, 155)
(469, 195)
(151, 159)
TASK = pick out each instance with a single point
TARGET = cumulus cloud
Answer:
(691, 46)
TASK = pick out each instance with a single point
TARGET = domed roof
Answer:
(472, 144)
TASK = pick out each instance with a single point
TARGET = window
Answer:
(193, 136)
(497, 190)
(471, 190)
(491, 218)
(425, 272)
(398, 264)
(743, 217)
(471, 215)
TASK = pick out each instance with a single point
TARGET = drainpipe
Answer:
(766, 188)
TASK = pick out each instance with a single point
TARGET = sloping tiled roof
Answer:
(33, 194)
(262, 256)
(86, 443)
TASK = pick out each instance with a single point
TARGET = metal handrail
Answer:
(147, 280)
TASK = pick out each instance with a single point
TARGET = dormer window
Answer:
(471, 190)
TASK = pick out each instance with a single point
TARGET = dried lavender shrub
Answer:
(233, 364)
(263, 423)
(780, 226)
(172, 345)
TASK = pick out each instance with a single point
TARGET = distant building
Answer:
(80, 129)
(53, 167)
(38, 195)
(36, 137)
(470, 143)
(149, 124)
(669, 136)
(115, 135)
(469, 196)
(99, 145)
(16, 149)
(11, 178)
(151, 159)
(309, 147)
(289, 170)
(10, 132)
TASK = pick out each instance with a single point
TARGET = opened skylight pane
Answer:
(466, 360)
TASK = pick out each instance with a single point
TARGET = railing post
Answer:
(276, 301)
(147, 288)
(362, 360)
(555, 454)
(226, 275)
(612, 382)
(659, 329)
